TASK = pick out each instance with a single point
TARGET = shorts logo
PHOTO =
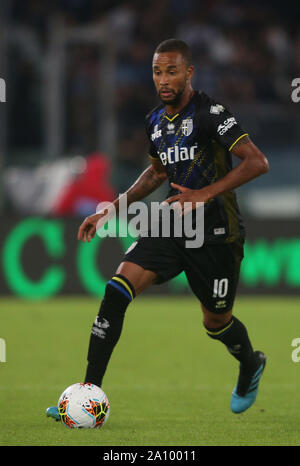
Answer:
(219, 231)
(187, 126)
(220, 304)
(133, 245)
(156, 134)
(229, 123)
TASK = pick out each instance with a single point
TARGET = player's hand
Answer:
(188, 195)
(88, 228)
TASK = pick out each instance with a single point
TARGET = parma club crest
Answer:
(187, 126)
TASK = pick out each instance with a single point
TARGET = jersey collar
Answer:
(173, 117)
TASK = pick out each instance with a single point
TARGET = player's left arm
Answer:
(254, 163)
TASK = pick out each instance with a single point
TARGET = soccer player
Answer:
(191, 139)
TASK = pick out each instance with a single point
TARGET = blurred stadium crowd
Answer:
(245, 53)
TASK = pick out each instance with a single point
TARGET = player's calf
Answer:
(235, 337)
(107, 327)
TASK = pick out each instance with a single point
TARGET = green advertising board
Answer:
(41, 258)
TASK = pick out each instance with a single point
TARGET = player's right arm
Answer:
(150, 180)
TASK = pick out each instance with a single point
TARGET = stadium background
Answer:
(78, 85)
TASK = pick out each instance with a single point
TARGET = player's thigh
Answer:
(139, 277)
(151, 260)
(213, 275)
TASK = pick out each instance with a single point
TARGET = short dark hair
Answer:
(175, 45)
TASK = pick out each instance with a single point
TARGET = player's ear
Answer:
(190, 71)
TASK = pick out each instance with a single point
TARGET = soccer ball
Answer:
(83, 405)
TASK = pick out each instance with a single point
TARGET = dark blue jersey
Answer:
(194, 146)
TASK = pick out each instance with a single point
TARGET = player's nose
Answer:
(164, 81)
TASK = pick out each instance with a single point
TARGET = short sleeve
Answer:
(152, 151)
(223, 126)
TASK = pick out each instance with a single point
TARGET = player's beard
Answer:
(176, 96)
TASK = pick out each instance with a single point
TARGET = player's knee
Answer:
(211, 320)
(119, 293)
(119, 287)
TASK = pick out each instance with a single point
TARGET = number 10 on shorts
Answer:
(220, 288)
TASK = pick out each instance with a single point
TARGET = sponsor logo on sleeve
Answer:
(216, 109)
(229, 123)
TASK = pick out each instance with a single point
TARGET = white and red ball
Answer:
(83, 405)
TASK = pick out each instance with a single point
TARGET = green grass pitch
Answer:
(167, 382)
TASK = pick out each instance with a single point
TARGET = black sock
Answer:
(107, 327)
(234, 335)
